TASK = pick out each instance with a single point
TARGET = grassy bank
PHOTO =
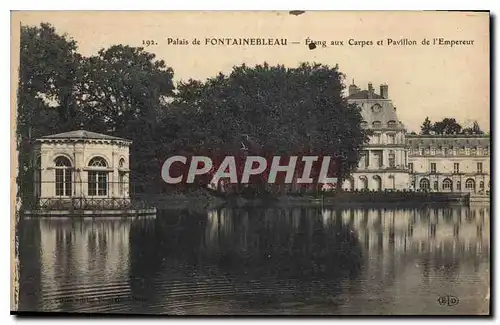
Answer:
(194, 200)
(203, 199)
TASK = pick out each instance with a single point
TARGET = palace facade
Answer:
(395, 160)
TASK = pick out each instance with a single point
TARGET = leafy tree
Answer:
(426, 127)
(122, 91)
(475, 129)
(286, 110)
(47, 75)
(447, 126)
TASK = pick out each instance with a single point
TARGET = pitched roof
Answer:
(82, 134)
(365, 94)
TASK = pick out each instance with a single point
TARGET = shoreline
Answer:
(202, 200)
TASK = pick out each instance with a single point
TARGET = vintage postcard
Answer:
(251, 163)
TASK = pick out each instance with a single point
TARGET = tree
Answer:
(122, 91)
(286, 110)
(447, 126)
(47, 75)
(426, 127)
(122, 84)
(475, 129)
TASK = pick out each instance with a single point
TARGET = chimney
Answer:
(353, 88)
(370, 87)
(384, 91)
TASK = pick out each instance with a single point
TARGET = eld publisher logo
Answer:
(448, 300)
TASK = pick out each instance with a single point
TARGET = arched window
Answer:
(447, 184)
(98, 179)
(392, 124)
(377, 124)
(424, 184)
(63, 176)
(98, 162)
(378, 182)
(470, 184)
(364, 182)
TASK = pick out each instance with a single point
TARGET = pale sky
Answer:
(434, 81)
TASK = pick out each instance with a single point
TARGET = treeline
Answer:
(127, 92)
(448, 125)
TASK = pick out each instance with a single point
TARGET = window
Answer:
(424, 184)
(63, 176)
(98, 162)
(364, 182)
(364, 125)
(392, 124)
(121, 177)
(456, 168)
(392, 159)
(376, 137)
(410, 167)
(447, 184)
(481, 185)
(436, 185)
(377, 124)
(433, 168)
(363, 161)
(433, 151)
(479, 167)
(470, 184)
(459, 186)
(392, 138)
(98, 180)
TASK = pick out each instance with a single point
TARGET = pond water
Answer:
(310, 261)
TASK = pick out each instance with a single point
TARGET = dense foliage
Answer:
(125, 91)
(448, 126)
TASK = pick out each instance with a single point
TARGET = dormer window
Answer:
(376, 108)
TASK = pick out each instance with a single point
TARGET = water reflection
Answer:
(271, 261)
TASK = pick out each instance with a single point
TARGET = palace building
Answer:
(384, 160)
(393, 159)
(449, 163)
